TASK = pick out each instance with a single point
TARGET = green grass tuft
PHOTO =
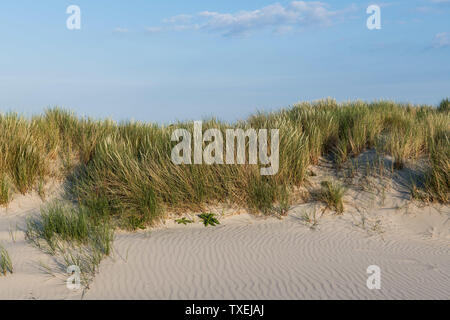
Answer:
(5, 262)
(66, 231)
(332, 193)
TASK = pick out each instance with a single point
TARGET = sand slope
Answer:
(29, 280)
(254, 258)
(249, 259)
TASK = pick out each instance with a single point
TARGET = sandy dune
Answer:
(254, 258)
(249, 259)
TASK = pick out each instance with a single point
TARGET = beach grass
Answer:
(444, 106)
(63, 222)
(73, 234)
(5, 190)
(332, 194)
(122, 172)
(5, 261)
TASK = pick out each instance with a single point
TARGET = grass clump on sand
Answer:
(123, 172)
(332, 193)
(71, 234)
(5, 262)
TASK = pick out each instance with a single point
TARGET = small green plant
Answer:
(5, 261)
(209, 219)
(370, 225)
(332, 193)
(183, 221)
(310, 219)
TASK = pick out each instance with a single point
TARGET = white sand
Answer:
(254, 258)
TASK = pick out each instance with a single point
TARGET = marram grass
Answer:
(123, 172)
(5, 262)
(74, 235)
(332, 194)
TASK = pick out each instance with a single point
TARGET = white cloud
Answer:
(441, 40)
(277, 17)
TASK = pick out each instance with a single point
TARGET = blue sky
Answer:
(171, 60)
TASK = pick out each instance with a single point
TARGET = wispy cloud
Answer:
(153, 29)
(439, 1)
(121, 30)
(441, 40)
(387, 4)
(276, 17)
(434, 6)
(427, 9)
(181, 18)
